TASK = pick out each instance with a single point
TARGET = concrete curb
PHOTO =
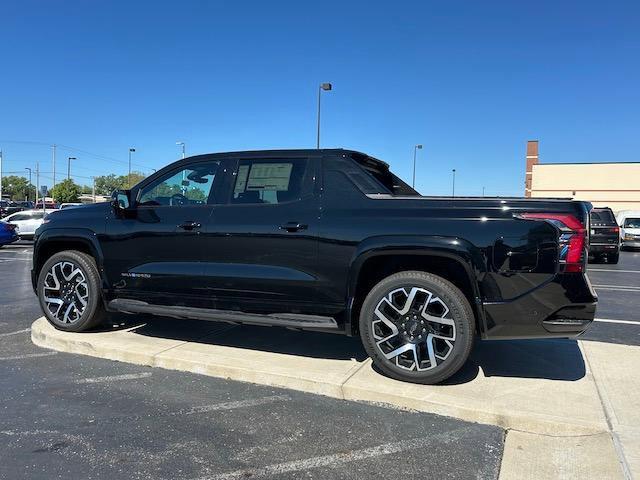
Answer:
(528, 404)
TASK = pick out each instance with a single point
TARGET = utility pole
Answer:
(94, 189)
(29, 186)
(0, 174)
(326, 87)
(182, 144)
(415, 149)
(53, 155)
(483, 191)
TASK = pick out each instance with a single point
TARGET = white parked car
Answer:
(629, 221)
(69, 205)
(26, 222)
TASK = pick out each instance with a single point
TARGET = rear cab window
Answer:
(602, 216)
(271, 181)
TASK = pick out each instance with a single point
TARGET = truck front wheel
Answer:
(69, 291)
(417, 327)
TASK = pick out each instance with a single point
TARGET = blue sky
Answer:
(470, 80)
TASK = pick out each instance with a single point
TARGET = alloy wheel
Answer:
(65, 292)
(412, 329)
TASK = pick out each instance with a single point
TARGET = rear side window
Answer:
(272, 181)
(602, 217)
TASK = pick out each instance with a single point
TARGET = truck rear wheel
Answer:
(417, 327)
(69, 291)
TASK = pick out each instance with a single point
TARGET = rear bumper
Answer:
(563, 307)
(604, 248)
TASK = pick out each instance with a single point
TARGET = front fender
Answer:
(461, 251)
(52, 238)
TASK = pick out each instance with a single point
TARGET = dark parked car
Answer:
(7, 208)
(7, 233)
(604, 242)
(326, 240)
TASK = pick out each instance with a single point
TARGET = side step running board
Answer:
(307, 322)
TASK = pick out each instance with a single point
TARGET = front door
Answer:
(261, 249)
(155, 252)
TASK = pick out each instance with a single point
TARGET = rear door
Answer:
(261, 248)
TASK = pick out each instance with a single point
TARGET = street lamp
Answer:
(69, 166)
(131, 150)
(29, 186)
(181, 144)
(415, 149)
(326, 87)
(453, 186)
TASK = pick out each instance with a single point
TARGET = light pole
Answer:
(93, 190)
(483, 191)
(453, 186)
(326, 87)
(29, 186)
(131, 150)
(69, 166)
(182, 144)
(415, 149)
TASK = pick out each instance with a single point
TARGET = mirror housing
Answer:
(121, 200)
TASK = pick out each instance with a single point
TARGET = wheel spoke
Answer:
(65, 292)
(411, 328)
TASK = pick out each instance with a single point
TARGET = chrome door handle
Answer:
(189, 225)
(293, 227)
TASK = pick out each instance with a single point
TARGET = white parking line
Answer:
(115, 378)
(232, 405)
(610, 320)
(617, 286)
(28, 355)
(616, 289)
(24, 330)
(337, 459)
(611, 270)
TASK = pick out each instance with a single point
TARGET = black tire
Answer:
(93, 313)
(613, 258)
(459, 315)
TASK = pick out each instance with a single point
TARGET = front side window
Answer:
(632, 223)
(270, 181)
(186, 186)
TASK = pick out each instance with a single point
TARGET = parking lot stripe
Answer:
(115, 378)
(611, 270)
(337, 459)
(24, 330)
(633, 287)
(28, 355)
(610, 320)
(236, 404)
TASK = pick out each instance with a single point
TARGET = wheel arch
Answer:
(452, 258)
(53, 241)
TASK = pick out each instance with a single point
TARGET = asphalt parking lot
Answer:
(68, 415)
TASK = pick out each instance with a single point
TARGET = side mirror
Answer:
(120, 200)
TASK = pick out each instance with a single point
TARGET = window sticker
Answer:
(269, 176)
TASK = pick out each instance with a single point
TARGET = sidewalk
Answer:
(560, 412)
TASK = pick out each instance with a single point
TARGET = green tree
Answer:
(66, 192)
(106, 184)
(18, 188)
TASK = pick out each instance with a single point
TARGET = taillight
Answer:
(572, 239)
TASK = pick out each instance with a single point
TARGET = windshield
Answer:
(631, 223)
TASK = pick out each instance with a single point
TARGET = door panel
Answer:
(155, 250)
(261, 247)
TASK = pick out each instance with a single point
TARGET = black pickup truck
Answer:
(325, 240)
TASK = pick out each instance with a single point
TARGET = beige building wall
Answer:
(614, 185)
